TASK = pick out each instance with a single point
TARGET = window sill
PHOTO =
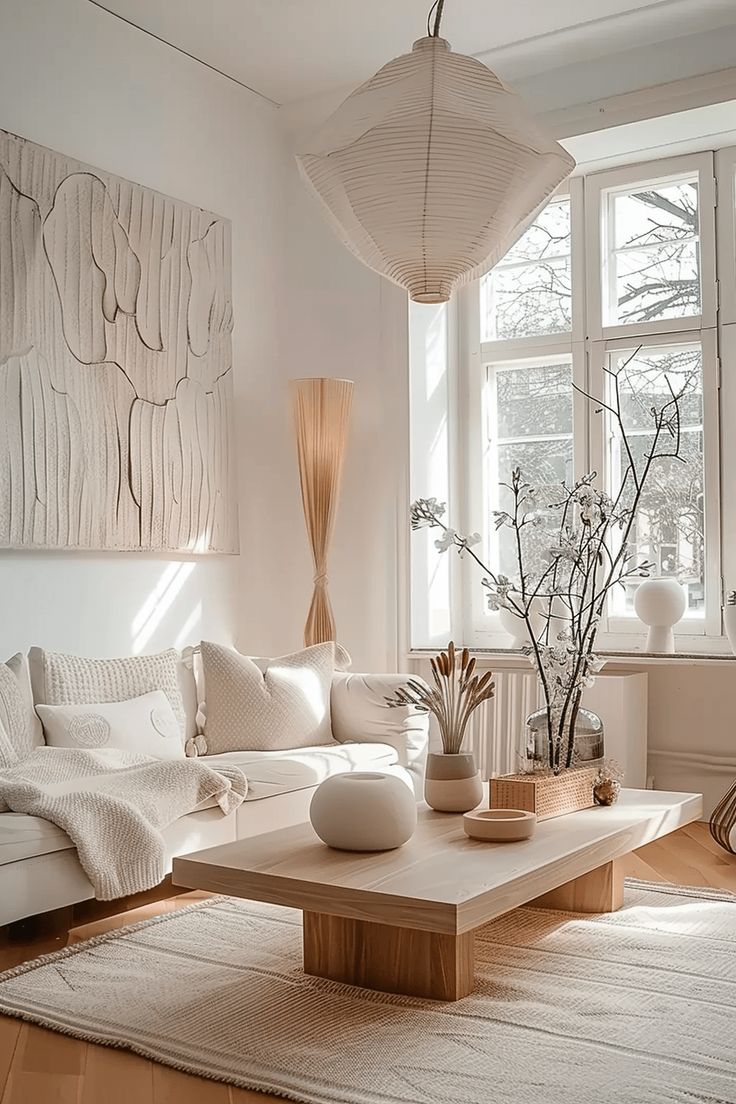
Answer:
(511, 657)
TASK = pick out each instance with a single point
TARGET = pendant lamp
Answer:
(431, 170)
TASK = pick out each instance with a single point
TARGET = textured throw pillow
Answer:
(8, 755)
(145, 725)
(268, 704)
(73, 680)
(18, 718)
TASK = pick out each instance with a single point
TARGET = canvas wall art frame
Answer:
(116, 386)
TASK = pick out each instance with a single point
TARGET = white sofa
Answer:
(39, 868)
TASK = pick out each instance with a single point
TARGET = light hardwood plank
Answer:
(47, 1068)
(9, 1037)
(634, 866)
(700, 833)
(116, 1077)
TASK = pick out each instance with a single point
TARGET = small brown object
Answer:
(607, 791)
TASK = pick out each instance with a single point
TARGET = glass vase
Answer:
(589, 744)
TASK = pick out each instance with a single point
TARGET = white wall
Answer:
(76, 79)
(343, 320)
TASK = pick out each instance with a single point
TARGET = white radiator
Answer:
(496, 731)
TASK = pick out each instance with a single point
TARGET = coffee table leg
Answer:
(602, 890)
(394, 960)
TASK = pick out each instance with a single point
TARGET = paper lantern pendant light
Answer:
(431, 170)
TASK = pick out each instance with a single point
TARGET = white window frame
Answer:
(475, 358)
(725, 173)
(597, 187)
(587, 344)
(618, 630)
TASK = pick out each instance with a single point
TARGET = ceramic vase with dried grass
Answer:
(452, 783)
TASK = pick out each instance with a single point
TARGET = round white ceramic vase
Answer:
(515, 625)
(363, 811)
(729, 623)
(660, 604)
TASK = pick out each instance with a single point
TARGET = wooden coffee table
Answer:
(403, 921)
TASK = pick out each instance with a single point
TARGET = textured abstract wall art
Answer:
(115, 362)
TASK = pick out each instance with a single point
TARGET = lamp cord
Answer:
(437, 7)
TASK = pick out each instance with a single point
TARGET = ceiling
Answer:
(290, 50)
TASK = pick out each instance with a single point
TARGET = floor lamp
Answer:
(321, 414)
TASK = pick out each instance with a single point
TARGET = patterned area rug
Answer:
(636, 1007)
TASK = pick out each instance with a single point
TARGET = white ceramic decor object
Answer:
(363, 811)
(660, 604)
(452, 783)
(516, 627)
(729, 623)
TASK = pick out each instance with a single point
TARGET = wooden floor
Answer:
(41, 1067)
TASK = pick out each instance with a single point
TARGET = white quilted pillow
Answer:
(145, 725)
(268, 704)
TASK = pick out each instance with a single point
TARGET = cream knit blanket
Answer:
(113, 804)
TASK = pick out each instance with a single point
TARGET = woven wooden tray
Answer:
(547, 795)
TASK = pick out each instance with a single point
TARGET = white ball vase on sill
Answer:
(729, 619)
(660, 603)
(364, 811)
(516, 626)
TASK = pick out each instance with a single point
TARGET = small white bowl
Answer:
(500, 825)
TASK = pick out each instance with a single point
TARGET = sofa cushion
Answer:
(267, 705)
(22, 837)
(145, 725)
(276, 772)
(60, 679)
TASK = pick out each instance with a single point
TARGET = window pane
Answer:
(531, 428)
(535, 399)
(654, 257)
(527, 294)
(670, 528)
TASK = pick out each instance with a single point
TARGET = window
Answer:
(670, 528)
(529, 426)
(652, 269)
(528, 293)
(617, 272)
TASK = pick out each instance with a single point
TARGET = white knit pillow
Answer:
(33, 735)
(145, 725)
(268, 704)
(74, 680)
(8, 755)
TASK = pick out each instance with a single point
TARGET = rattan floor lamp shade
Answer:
(321, 416)
(431, 170)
